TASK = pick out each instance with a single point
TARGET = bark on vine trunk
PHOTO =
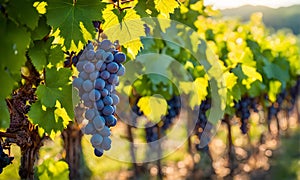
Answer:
(72, 137)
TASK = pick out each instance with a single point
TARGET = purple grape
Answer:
(104, 75)
(94, 95)
(89, 67)
(89, 128)
(93, 76)
(109, 87)
(98, 153)
(120, 57)
(90, 54)
(113, 79)
(121, 70)
(105, 131)
(99, 122)
(99, 65)
(96, 139)
(107, 100)
(112, 67)
(107, 110)
(90, 114)
(104, 92)
(108, 57)
(83, 75)
(106, 143)
(87, 85)
(99, 104)
(103, 67)
(99, 54)
(78, 82)
(105, 44)
(115, 98)
(99, 84)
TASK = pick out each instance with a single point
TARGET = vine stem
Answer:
(8, 135)
(132, 153)
(230, 145)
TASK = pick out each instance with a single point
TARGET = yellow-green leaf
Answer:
(165, 7)
(154, 107)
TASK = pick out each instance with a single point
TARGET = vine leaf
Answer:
(14, 42)
(45, 118)
(57, 88)
(23, 12)
(67, 16)
(153, 107)
(165, 7)
(127, 32)
(51, 169)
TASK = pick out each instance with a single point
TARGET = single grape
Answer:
(89, 128)
(108, 57)
(104, 75)
(94, 75)
(104, 92)
(90, 54)
(106, 143)
(120, 57)
(113, 79)
(121, 70)
(79, 65)
(109, 119)
(115, 98)
(85, 97)
(96, 139)
(109, 87)
(99, 104)
(107, 100)
(105, 45)
(99, 65)
(105, 131)
(89, 67)
(83, 75)
(107, 110)
(99, 122)
(89, 103)
(90, 114)
(94, 95)
(99, 84)
(78, 83)
(103, 67)
(99, 54)
(98, 153)
(87, 85)
(112, 67)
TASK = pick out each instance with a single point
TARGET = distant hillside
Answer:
(285, 17)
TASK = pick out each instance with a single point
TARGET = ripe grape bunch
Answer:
(99, 69)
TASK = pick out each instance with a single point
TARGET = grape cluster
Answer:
(99, 72)
(242, 108)
(276, 106)
(202, 121)
(174, 105)
(5, 160)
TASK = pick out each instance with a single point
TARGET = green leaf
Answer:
(51, 169)
(39, 53)
(4, 114)
(56, 55)
(23, 12)
(165, 7)
(57, 87)
(14, 42)
(42, 30)
(45, 118)
(8, 83)
(66, 16)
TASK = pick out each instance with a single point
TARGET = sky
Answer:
(222, 4)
